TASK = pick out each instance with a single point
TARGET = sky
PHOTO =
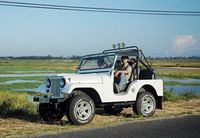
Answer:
(40, 32)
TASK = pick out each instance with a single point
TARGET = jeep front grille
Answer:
(55, 86)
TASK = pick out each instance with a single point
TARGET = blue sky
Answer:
(25, 32)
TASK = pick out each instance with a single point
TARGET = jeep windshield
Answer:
(97, 62)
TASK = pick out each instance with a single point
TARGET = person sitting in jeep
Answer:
(122, 75)
(101, 63)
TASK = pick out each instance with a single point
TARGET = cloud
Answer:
(183, 43)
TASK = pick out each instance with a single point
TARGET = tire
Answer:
(113, 110)
(81, 110)
(145, 104)
(47, 113)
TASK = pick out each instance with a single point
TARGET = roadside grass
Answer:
(23, 121)
(169, 95)
(33, 126)
(12, 103)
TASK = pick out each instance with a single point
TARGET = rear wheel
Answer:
(81, 109)
(113, 110)
(49, 114)
(145, 104)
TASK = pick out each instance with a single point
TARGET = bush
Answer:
(188, 95)
(170, 95)
(12, 103)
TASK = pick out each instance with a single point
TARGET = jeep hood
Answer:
(83, 78)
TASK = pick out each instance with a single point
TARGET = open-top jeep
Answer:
(77, 95)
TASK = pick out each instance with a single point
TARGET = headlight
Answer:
(48, 83)
(62, 82)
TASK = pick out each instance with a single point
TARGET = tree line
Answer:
(49, 57)
(75, 57)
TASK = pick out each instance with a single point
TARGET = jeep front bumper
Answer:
(45, 99)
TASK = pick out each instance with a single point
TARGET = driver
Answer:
(122, 75)
(101, 63)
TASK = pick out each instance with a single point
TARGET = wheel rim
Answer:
(83, 110)
(147, 104)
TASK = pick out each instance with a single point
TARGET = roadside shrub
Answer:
(188, 95)
(12, 103)
(170, 95)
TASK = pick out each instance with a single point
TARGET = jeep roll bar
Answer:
(140, 57)
(119, 49)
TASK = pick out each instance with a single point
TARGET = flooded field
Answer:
(177, 85)
(178, 89)
(19, 81)
(27, 75)
(181, 85)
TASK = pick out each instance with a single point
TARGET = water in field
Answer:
(179, 88)
(27, 75)
(190, 87)
(18, 81)
(181, 80)
(26, 90)
(35, 71)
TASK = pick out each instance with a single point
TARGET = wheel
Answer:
(81, 109)
(113, 110)
(145, 104)
(47, 113)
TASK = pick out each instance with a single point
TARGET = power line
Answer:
(112, 9)
(96, 9)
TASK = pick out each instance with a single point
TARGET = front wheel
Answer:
(145, 104)
(81, 110)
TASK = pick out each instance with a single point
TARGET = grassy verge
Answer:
(32, 126)
(15, 104)
(171, 96)
(28, 123)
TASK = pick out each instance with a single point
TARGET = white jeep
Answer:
(77, 95)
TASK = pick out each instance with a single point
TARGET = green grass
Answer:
(180, 73)
(69, 66)
(15, 104)
(11, 87)
(37, 78)
(176, 63)
(25, 85)
(169, 95)
(190, 68)
(29, 66)
(181, 83)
